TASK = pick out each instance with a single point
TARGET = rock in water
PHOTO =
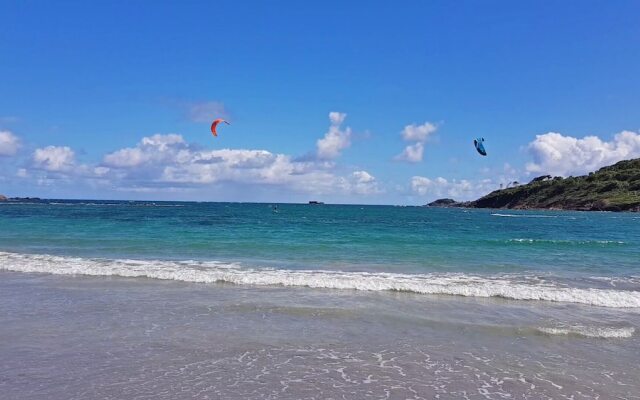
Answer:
(444, 203)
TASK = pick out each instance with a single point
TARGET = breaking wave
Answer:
(573, 242)
(211, 271)
(524, 215)
(590, 331)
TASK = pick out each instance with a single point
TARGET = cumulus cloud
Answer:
(168, 161)
(419, 134)
(129, 157)
(456, 189)
(154, 148)
(54, 158)
(337, 118)
(336, 139)
(556, 154)
(412, 153)
(237, 165)
(101, 171)
(9, 143)
(364, 183)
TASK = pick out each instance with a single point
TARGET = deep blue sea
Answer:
(237, 301)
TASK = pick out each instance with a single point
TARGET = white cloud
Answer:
(458, 190)
(125, 158)
(412, 153)
(9, 143)
(364, 183)
(336, 139)
(237, 165)
(363, 177)
(54, 158)
(162, 142)
(337, 118)
(166, 161)
(556, 154)
(418, 134)
(150, 149)
(101, 171)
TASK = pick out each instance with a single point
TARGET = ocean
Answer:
(241, 300)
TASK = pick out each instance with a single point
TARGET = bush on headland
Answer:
(612, 188)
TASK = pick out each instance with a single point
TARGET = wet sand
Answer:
(68, 337)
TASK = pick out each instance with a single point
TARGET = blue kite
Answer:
(479, 146)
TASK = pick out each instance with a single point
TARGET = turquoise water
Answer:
(379, 238)
(523, 255)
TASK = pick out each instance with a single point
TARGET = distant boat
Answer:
(315, 202)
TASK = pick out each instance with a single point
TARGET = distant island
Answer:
(445, 203)
(612, 188)
(18, 199)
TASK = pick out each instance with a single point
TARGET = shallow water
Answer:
(113, 338)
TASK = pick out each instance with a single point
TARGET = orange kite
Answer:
(215, 124)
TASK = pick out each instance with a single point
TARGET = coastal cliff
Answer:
(612, 188)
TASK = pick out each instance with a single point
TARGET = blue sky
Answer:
(552, 86)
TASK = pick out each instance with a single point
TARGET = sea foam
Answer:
(211, 271)
(590, 331)
(569, 242)
(524, 215)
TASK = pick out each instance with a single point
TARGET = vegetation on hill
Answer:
(612, 188)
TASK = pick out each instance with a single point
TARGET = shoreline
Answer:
(122, 338)
(510, 286)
